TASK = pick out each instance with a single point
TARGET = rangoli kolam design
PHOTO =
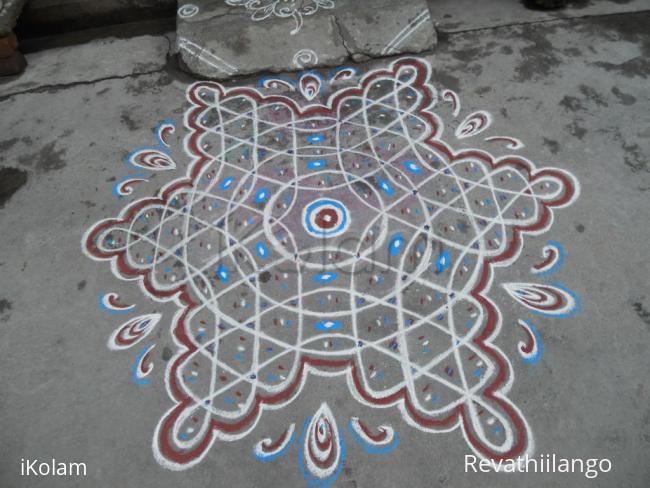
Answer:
(340, 235)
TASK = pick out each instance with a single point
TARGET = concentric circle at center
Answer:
(325, 218)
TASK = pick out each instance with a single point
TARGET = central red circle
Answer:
(326, 218)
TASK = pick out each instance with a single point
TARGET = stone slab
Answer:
(223, 39)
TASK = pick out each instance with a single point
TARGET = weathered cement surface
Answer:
(73, 64)
(574, 91)
(219, 40)
(461, 15)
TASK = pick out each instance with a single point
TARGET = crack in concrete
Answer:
(64, 86)
(339, 29)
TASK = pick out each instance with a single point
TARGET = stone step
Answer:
(223, 38)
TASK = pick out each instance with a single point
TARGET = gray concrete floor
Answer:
(574, 90)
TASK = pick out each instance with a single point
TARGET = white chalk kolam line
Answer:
(322, 452)
(188, 10)
(133, 331)
(269, 450)
(208, 57)
(381, 443)
(406, 32)
(283, 9)
(305, 57)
